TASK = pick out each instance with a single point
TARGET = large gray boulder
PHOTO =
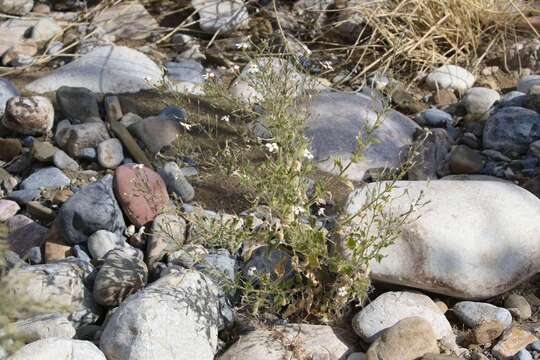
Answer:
(336, 119)
(473, 240)
(65, 286)
(44, 326)
(59, 348)
(105, 69)
(174, 318)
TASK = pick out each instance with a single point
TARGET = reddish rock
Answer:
(24, 234)
(29, 115)
(9, 148)
(141, 192)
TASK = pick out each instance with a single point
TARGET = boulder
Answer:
(180, 309)
(495, 248)
(44, 326)
(105, 69)
(59, 348)
(91, 209)
(391, 307)
(312, 341)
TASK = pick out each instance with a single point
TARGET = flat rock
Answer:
(156, 132)
(450, 77)
(316, 342)
(59, 348)
(141, 192)
(475, 313)
(512, 341)
(103, 70)
(65, 162)
(92, 208)
(46, 178)
(184, 300)
(494, 250)
(29, 115)
(77, 104)
(391, 307)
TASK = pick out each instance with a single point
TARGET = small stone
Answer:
(103, 241)
(64, 161)
(474, 313)
(43, 151)
(83, 136)
(464, 160)
(478, 101)
(408, 339)
(16, 7)
(46, 178)
(77, 104)
(29, 115)
(450, 77)
(110, 153)
(512, 341)
(486, 332)
(434, 118)
(515, 301)
(156, 132)
(523, 355)
(8, 209)
(176, 181)
(54, 252)
(10, 148)
(40, 211)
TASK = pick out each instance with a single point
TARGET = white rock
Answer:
(220, 15)
(174, 318)
(478, 100)
(110, 153)
(16, 7)
(495, 248)
(391, 307)
(106, 69)
(44, 326)
(59, 348)
(527, 82)
(475, 313)
(103, 241)
(45, 29)
(450, 77)
(316, 342)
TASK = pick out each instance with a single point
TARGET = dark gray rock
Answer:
(176, 181)
(64, 161)
(173, 113)
(434, 118)
(264, 260)
(156, 132)
(91, 209)
(46, 178)
(433, 149)
(511, 130)
(77, 104)
(23, 196)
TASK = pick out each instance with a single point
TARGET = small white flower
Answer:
(327, 65)
(186, 126)
(342, 291)
(240, 46)
(208, 75)
(272, 147)
(308, 155)
(251, 271)
(235, 68)
(138, 166)
(225, 118)
(320, 212)
(298, 210)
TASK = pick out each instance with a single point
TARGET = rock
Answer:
(110, 153)
(515, 301)
(187, 76)
(444, 97)
(464, 160)
(63, 161)
(434, 118)
(44, 326)
(188, 256)
(103, 241)
(511, 130)
(10, 149)
(478, 101)
(433, 151)
(486, 332)
(475, 313)
(59, 348)
(313, 341)
(176, 181)
(113, 108)
(156, 132)
(130, 119)
(523, 355)
(168, 235)
(44, 30)
(78, 218)
(408, 339)
(16, 7)
(512, 341)
(220, 15)
(14, 41)
(264, 261)
(450, 77)
(184, 300)
(473, 263)
(7, 91)
(77, 104)
(8, 209)
(24, 234)
(29, 115)
(391, 307)
(43, 151)
(333, 125)
(63, 283)
(103, 70)
(46, 178)
(527, 82)
(23, 196)
(40, 212)
(82, 136)
(141, 192)
(121, 275)
(54, 252)
(89, 154)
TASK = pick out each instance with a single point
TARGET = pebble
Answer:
(110, 153)
(88, 154)
(450, 77)
(176, 181)
(485, 332)
(478, 101)
(474, 313)
(464, 160)
(8, 209)
(515, 301)
(47, 178)
(222, 15)
(29, 115)
(64, 161)
(10, 149)
(43, 151)
(434, 118)
(77, 104)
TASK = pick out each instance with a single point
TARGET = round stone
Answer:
(29, 115)
(110, 153)
(450, 77)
